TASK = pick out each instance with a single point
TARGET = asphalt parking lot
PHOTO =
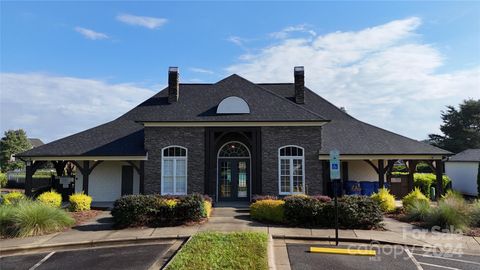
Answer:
(125, 257)
(388, 257)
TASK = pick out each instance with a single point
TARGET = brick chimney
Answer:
(298, 73)
(173, 87)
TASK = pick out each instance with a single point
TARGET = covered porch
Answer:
(105, 178)
(372, 172)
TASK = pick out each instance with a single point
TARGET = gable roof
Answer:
(472, 155)
(198, 102)
(268, 102)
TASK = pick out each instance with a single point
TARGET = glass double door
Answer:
(233, 179)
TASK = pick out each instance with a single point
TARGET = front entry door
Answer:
(233, 179)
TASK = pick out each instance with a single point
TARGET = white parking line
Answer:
(440, 266)
(409, 253)
(444, 258)
(42, 260)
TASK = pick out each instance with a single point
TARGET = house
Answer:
(231, 140)
(463, 169)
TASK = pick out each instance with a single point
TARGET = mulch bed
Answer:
(84, 216)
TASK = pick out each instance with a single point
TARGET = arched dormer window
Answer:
(174, 170)
(291, 170)
(233, 105)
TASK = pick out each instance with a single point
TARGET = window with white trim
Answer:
(291, 170)
(174, 170)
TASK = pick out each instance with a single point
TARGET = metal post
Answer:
(335, 182)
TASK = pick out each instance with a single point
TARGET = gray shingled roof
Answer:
(351, 136)
(467, 155)
(198, 102)
(268, 102)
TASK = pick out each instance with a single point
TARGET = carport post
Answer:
(439, 178)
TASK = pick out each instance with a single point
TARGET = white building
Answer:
(463, 170)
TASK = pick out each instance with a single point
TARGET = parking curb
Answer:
(350, 240)
(85, 244)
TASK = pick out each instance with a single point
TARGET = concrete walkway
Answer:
(227, 219)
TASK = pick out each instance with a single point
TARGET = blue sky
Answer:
(414, 58)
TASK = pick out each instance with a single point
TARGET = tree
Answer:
(460, 128)
(13, 142)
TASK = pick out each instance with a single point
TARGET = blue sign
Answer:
(334, 164)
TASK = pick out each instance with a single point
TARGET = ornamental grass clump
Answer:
(31, 218)
(476, 213)
(268, 210)
(385, 200)
(414, 195)
(13, 198)
(418, 210)
(51, 198)
(80, 202)
(452, 213)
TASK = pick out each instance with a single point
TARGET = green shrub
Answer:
(385, 199)
(13, 197)
(301, 210)
(191, 208)
(30, 218)
(424, 181)
(414, 195)
(358, 212)
(51, 198)
(268, 210)
(3, 180)
(418, 210)
(132, 210)
(354, 212)
(450, 212)
(423, 167)
(80, 202)
(156, 210)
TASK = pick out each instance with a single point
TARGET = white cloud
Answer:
(383, 75)
(90, 34)
(201, 70)
(51, 107)
(236, 40)
(148, 22)
(284, 33)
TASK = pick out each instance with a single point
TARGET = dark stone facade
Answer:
(272, 138)
(307, 137)
(193, 139)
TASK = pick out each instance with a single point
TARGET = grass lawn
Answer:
(245, 250)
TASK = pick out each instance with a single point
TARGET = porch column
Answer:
(439, 176)
(411, 170)
(85, 174)
(29, 178)
(381, 173)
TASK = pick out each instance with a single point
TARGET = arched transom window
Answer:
(234, 150)
(291, 170)
(174, 170)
